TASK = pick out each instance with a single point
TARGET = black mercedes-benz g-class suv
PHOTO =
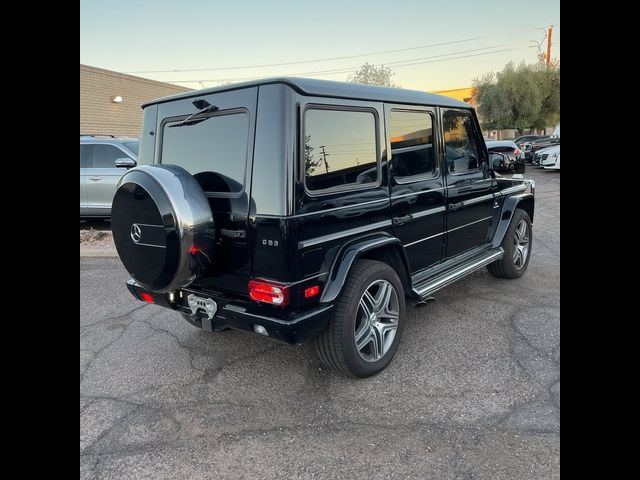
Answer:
(312, 210)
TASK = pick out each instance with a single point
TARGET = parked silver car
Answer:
(102, 162)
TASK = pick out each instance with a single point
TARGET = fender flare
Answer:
(349, 253)
(506, 214)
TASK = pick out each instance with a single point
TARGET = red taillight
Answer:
(146, 297)
(312, 291)
(274, 294)
(517, 151)
(193, 250)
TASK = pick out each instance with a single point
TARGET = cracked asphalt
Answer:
(473, 392)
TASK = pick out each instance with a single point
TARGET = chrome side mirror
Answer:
(125, 162)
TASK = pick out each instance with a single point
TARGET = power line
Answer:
(307, 61)
(352, 69)
(319, 59)
(399, 62)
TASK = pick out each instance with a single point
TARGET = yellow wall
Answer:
(463, 94)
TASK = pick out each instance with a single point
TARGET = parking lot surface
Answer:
(473, 391)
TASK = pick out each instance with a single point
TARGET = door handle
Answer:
(455, 206)
(402, 219)
(233, 233)
(95, 178)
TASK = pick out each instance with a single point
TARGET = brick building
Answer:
(110, 101)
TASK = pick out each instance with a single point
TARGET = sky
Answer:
(437, 45)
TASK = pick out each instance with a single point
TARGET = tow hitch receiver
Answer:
(196, 303)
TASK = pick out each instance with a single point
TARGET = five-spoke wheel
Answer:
(365, 331)
(377, 322)
(521, 244)
(517, 247)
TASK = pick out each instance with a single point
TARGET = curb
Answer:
(85, 252)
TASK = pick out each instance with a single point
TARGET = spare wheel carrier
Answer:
(162, 227)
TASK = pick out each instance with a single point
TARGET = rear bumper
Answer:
(511, 164)
(281, 324)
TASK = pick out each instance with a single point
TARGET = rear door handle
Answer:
(455, 206)
(402, 219)
(236, 234)
(95, 179)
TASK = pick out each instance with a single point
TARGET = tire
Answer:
(520, 168)
(336, 346)
(510, 265)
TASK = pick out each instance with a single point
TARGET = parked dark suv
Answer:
(312, 210)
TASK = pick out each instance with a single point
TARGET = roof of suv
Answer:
(326, 88)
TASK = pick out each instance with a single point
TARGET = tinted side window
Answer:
(133, 146)
(84, 155)
(460, 137)
(105, 156)
(411, 143)
(213, 150)
(339, 149)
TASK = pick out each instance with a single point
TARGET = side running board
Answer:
(444, 279)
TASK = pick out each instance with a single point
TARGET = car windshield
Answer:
(133, 146)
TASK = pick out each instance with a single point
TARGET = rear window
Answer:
(501, 148)
(213, 150)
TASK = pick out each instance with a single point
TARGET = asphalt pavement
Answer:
(473, 391)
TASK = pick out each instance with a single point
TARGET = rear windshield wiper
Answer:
(204, 107)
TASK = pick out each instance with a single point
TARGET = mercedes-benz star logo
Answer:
(136, 233)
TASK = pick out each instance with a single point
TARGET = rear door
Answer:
(103, 177)
(469, 185)
(216, 148)
(416, 183)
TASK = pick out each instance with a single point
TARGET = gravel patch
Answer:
(96, 240)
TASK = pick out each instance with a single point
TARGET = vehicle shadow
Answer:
(95, 224)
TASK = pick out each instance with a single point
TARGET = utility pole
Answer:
(324, 158)
(549, 44)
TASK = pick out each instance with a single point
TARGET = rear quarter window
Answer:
(340, 149)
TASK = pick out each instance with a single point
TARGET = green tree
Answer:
(310, 164)
(525, 97)
(548, 78)
(372, 75)
(542, 59)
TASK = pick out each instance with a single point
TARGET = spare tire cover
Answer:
(161, 221)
